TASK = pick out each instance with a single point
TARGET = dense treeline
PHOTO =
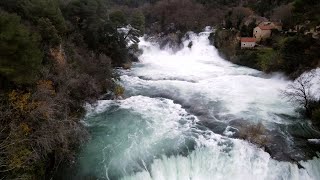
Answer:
(194, 15)
(54, 57)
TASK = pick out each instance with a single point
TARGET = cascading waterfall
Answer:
(175, 121)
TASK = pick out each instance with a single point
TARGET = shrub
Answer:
(118, 90)
(248, 58)
(254, 133)
(268, 60)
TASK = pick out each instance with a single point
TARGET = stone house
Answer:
(262, 32)
(247, 42)
(264, 29)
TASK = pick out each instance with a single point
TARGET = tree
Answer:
(20, 56)
(250, 27)
(138, 21)
(306, 10)
(228, 23)
(244, 31)
(48, 32)
(33, 10)
(293, 53)
(300, 92)
(118, 18)
(262, 7)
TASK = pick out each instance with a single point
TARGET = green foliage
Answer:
(138, 21)
(268, 60)
(226, 41)
(307, 10)
(86, 11)
(41, 108)
(88, 16)
(35, 9)
(248, 58)
(20, 54)
(118, 18)
(48, 32)
(101, 35)
(293, 53)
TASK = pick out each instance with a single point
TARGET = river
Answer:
(180, 118)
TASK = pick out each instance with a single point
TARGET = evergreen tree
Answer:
(20, 56)
(138, 21)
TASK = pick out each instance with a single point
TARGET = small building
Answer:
(262, 32)
(248, 42)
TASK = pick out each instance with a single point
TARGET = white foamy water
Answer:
(157, 133)
(200, 72)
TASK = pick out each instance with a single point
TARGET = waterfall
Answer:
(176, 121)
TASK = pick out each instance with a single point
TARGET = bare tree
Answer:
(300, 92)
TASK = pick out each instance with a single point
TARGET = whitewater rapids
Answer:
(175, 121)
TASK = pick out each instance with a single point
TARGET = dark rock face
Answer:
(134, 54)
(172, 41)
(227, 43)
(134, 57)
(153, 29)
(170, 37)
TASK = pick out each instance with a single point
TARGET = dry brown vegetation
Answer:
(254, 133)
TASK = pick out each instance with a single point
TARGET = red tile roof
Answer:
(266, 27)
(248, 39)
